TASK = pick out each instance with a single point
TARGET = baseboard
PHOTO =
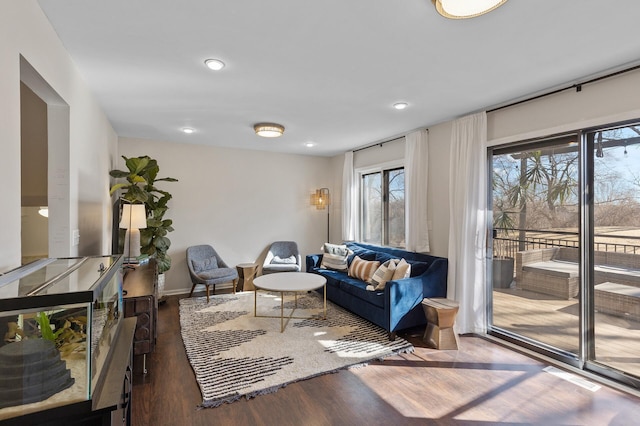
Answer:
(199, 289)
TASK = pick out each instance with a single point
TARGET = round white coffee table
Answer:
(283, 282)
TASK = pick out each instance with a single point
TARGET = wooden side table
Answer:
(246, 273)
(441, 316)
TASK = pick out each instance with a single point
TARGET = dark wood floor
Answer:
(481, 383)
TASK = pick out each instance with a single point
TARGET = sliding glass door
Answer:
(565, 253)
(615, 266)
(535, 265)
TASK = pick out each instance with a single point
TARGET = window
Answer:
(382, 207)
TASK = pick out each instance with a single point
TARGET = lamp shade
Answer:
(461, 9)
(134, 216)
(321, 198)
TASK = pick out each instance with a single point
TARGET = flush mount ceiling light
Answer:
(214, 64)
(462, 9)
(309, 144)
(400, 105)
(188, 130)
(268, 130)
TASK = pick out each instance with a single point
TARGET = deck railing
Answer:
(506, 242)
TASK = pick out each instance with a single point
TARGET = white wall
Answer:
(604, 102)
(607, 101)
(238, 201)
(24, 30)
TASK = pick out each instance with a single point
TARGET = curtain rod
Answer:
(577, 86)
(383, 142)
(378, 144)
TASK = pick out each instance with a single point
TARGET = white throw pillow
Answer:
(403, 270)
(335, 256)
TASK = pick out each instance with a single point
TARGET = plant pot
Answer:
(502, 272)
(161, 278)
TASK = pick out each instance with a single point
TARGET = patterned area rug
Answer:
(235, 354)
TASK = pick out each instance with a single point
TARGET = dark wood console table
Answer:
(141, 300)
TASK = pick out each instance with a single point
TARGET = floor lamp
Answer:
(134, 218)
(321, 199)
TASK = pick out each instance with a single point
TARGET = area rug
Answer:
(235, 354)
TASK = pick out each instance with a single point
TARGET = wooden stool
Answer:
(246, 272)
(441, 315)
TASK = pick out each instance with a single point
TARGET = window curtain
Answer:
(467, 226)
(348, 199)
(416, 177)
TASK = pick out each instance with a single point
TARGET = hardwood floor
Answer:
(481, 383)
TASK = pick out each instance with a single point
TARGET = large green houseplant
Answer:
(139, 188)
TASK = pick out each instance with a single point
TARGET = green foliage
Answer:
(45, 327)
(139, 187)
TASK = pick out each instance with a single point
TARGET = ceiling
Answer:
(329, 71)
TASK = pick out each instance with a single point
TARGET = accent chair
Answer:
(283, 256)
(206, 267)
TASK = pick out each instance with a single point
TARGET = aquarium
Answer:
(58, 318)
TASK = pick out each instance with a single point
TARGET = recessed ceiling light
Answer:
(309, 144)
(188, 130)
(400, 105)
(461, 9)
(214, 64)
(268, 130)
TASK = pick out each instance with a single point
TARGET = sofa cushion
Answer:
(418, 268)
(333, 277)
(363, 253)
(204, 264)
(334, 257)
(363, 269)
(358, 288)
(383, 274)
(383, 257)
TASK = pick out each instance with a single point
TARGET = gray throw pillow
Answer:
(335, 256)
(287, 260)
(204, 264)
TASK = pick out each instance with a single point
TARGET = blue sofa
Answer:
(399, 305)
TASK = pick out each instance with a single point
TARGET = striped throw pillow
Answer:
(383, 274)
(335, 256)
(363, 269)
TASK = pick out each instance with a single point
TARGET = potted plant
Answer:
(141, 177)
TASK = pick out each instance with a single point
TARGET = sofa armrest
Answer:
(313, 261)
(401, 296)
(434, 279)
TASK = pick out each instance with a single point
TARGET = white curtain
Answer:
(415, 185)
(348, 199)
(467, 227)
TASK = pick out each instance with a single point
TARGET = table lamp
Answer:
(134, 218)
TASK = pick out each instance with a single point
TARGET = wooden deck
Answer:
(555, 322)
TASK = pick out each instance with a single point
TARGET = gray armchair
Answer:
(283, 256)
(207, 268)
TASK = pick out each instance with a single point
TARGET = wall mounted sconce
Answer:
(134, 218)
(322, 199)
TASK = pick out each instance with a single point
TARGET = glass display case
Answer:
(58, 318)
